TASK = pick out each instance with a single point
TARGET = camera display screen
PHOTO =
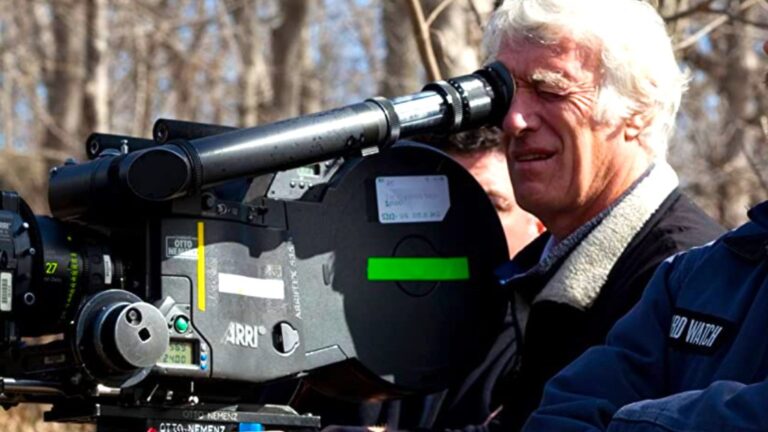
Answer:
(179, 352)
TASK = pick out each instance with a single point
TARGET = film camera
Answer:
(180, 276)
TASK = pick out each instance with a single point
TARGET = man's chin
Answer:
(536, 204)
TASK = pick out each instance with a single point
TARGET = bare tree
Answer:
(311, 97)
(8, 73)
(144, 76)
(287, 52)
(402, 68)
(448, 34)
(248, 41)
(96, 85)
(64, 77)
(717, 154)
(185, 58)
(455, 28)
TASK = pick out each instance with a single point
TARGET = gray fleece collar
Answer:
(584, 272)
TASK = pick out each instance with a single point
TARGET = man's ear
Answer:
(634, 126)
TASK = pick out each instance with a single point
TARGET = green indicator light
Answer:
(181, 324)
(418, 269)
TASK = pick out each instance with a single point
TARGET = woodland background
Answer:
(70, 67)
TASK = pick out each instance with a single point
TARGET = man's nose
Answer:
(522, 116)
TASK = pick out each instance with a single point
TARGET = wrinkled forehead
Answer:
(560, 62)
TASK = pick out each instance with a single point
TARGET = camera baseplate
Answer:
(194, 418)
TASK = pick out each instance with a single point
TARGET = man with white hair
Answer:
(691, 356)
(598, 89)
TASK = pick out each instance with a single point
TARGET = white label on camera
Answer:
(184, 247)
(107, 270)
(411, 199)
(6, 291)
(251, 287)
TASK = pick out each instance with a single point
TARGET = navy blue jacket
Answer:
(691, 355)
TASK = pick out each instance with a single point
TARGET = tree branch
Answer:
(764, 125)
(752, 164)
(423, 42)
(437, 11)
(363, 31)
(709, 28)
(738, 18)
(701, 7)
(476, 13)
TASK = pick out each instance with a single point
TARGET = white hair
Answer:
(640, 73)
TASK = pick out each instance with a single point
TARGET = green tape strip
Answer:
(418, 269)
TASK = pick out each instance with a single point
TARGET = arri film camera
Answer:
(181, 276)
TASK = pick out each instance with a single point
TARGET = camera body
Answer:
(195, 271)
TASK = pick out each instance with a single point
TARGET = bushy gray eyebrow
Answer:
(552, 78)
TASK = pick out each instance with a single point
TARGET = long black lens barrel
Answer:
(416, 112)
(290, 143)
(187, 166)
(458, 104)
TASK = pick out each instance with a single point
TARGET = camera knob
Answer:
(118, 337)
(141, 335)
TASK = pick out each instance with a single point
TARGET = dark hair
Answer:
(476, 140)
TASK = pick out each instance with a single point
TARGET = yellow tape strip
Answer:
(201, 266)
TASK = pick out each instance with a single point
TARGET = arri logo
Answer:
(243, 335)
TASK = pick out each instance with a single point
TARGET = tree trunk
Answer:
(311, 99)
(402, 65)
(456, 34)
(287, 46)
(185, 62)
(737, 93)
(144, 83)
(248, 44)
(96, 89)
(65, 79)
(7, 74)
